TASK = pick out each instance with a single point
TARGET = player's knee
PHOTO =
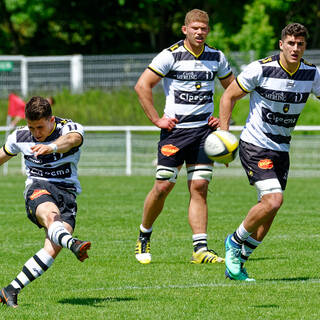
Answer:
(200, 172)
(274, 201)
(167, 173)
(269, 186)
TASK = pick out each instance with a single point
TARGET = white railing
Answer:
(132, 150)
(77, 73)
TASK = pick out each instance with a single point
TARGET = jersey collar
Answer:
(191, 52)
(287, 71)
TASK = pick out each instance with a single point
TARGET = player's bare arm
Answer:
(147, 81)
(62, 144)
(227, 102)
(227, 81)
(3, 157)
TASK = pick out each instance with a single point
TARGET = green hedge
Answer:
(122, 107)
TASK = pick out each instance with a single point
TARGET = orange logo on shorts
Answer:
(169, 149)
(265, 164)
(38, 192)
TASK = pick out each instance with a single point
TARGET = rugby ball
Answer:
(221, 146)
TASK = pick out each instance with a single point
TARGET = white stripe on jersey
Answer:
(189, 82)
(276, 100)
(54, 167)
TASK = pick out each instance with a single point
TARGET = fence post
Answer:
(128, 153)
(24, 77)
(77, 73)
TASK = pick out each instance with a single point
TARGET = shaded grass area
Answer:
(112, 285)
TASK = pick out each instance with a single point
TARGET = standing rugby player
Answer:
(51, 149)
(279, 87)
(188, 69)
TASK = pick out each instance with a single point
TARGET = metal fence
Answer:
(77, 73)
(131, 150)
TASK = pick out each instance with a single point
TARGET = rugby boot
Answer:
(80, 248)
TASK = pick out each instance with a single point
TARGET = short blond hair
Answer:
(196, 15)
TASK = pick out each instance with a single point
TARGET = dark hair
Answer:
(38, 108)
(295, 29)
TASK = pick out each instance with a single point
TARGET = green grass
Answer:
(112, 285)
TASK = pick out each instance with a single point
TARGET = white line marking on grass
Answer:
(201, 285)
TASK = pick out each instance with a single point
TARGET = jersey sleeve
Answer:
(224, 70)
(250, 77)
(316, 84)
(11, 148)
(71, 126)
(162, 63)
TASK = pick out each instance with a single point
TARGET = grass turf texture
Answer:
(113, 285)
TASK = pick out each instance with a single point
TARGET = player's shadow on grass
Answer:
(95, 302)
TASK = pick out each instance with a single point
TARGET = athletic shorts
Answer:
(261, 164)
(183, 145)
(43, 191)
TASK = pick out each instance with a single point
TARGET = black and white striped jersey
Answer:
(59, 168)
(277, 98)
(188, 82)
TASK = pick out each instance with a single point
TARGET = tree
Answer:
(256, 34)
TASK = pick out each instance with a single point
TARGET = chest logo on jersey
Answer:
(196, 98)
(286, 107)
(38, 192)
(290, 84)
(169, 150)
(265, 164)
(198, 85)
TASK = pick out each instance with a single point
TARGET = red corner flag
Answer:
(16, 106)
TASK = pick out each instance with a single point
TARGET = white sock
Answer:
(60, 235)
(144, 230)
(247, 248)
(200, 240)
(33, 269)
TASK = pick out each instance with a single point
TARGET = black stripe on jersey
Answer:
(269, 59)
(193, 97)
(192, 118)
(24, 136)
(205, 56)
(283, 96)
(279, 73)
(176, 45)
(277, 138)
(279, 119)
(49, 158)
(191, 75)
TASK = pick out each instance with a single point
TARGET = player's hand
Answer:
(213, 122)
(41, 149)
(166, 123)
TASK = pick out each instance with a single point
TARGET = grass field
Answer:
(112, 285)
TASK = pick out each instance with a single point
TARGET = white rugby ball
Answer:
(221, 146)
